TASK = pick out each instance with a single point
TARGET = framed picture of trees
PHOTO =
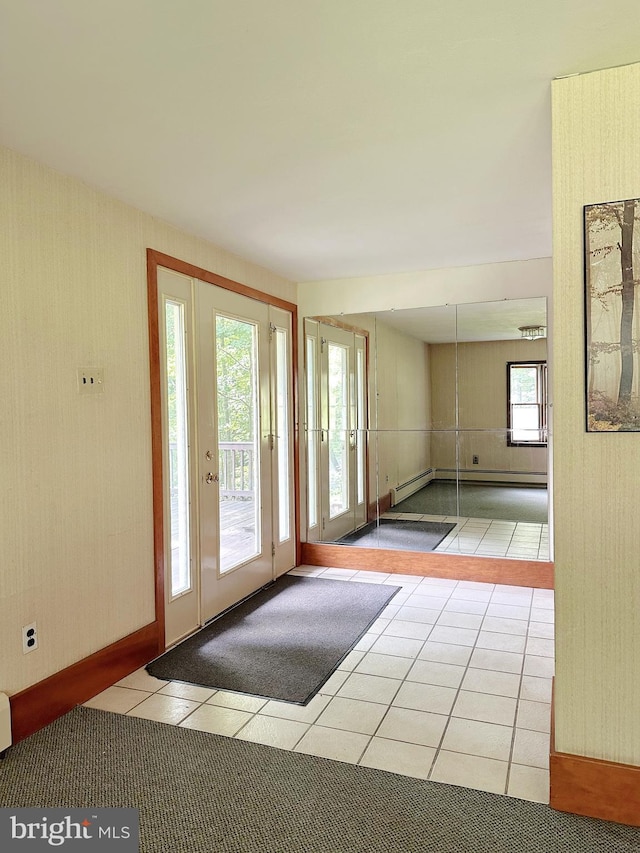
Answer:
(611, 246)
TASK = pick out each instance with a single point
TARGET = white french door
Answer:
(336, 419)
(229, 503)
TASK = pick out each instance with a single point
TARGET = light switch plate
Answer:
(90, 380)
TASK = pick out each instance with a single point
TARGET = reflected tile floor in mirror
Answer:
(489, 537)
(451, 683)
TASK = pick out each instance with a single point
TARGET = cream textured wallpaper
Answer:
(75, 490)
(596, 133)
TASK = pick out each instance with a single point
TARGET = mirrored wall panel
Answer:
(426, 429)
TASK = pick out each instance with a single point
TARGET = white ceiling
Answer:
(319, 138)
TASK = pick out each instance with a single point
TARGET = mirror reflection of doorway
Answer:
(458, 426)
(336, 429)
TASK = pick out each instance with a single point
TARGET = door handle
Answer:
(212, 478)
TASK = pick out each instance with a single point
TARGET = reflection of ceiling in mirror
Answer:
(477, 321)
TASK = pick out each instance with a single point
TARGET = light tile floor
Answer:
(489, 537)
(452, 683)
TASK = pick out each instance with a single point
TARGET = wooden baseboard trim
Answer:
(531, 573)
(42, 703)
(601, 789)
(591, 787)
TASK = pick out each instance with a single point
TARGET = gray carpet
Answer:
(282, 643)
(400, 535)
(203, 793)
(479, 500)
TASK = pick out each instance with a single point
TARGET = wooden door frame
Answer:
(157, 259)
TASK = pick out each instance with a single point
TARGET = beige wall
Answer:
(596, 128)
(481, 386)
(75, 519)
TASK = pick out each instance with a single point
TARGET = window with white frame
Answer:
(527, 403)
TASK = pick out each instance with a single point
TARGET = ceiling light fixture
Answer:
(530, 333)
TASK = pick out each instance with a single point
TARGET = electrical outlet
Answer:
(90, 380)
(29, 638)
(476, 461)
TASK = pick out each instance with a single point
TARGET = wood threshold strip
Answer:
(42, 703)
(530, 573)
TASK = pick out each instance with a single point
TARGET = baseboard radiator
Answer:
(491, 475)
(399, 493)
(5, 722)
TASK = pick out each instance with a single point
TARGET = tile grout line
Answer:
(416, 658)
(404, 679)
(467, 668)
(455, 698)
(515, 719)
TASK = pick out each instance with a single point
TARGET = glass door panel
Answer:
(360, 426)
(313, 444)
(282, 429)
(238, 440)
(181, 580)
(338, 435)
(359, 430)
(283, 437)
(178, 439)
(234, 460)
